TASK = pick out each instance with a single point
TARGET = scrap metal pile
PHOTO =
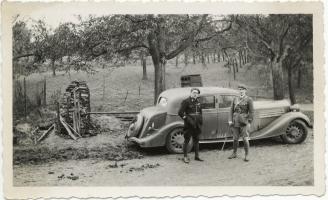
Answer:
(73, 111)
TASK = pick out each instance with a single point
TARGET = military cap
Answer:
(192, 89)
(242, 86)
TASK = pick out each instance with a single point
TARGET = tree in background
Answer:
(64, 41)
(273, 36)
(300, 51)
(283, 41)
(163, 36)
(21, 45)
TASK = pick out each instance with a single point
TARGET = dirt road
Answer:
(272, 164)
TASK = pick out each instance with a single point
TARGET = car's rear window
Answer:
(225, 101)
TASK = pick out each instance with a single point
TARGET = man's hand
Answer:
(230, 123)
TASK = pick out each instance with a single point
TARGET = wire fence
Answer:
(27, 96)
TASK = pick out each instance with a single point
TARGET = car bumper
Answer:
(155, 140)
(139, 141)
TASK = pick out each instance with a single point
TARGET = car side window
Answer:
(208, 102)
(225, 101)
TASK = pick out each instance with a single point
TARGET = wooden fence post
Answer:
(126, 96)
(25, 106)
(58, 117)
(45, 91)
(139, 89)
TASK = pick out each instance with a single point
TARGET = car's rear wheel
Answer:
(175, 140)
(296, 132)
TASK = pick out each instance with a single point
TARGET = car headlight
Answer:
(162, 101)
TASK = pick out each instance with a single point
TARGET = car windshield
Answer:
(162, 101)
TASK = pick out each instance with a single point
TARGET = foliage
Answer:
(280, 41)
(281, 38)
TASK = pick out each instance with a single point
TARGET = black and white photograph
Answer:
(146, 98)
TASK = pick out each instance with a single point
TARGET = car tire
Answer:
(175, 140)
(296, 132)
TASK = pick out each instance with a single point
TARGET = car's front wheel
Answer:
(175, 140)
(296, 132)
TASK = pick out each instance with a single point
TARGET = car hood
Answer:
(152, 111)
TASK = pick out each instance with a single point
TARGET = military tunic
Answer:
(191, 112)
(241, 113)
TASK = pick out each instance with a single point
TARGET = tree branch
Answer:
(188, 40)
(282, 37)
(121, 50)
(215, 34)
(256, 33)
(23, 56)
(131, 48)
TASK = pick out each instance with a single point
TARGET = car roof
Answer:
(176, 95)
(185, 91)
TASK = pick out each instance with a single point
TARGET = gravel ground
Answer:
(272, 164)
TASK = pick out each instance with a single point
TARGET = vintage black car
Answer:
(160, 125)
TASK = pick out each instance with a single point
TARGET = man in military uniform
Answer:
(240, 118)
(190, 111)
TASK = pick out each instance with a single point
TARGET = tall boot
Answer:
(185, 151)
(196, 147)
(246, 147)
(235, 147)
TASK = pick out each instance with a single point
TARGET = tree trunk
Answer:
(144, 68)
(234, 70)
(53, 67)
(290, 86)
(242, 56)
(185, 59)
(203, 59)
(157, 52)
(246, 56)
(159, 79)
(236, 64)
(299, 76)
(219, 59)
(240, 59)
(208, 58)
(277, 80)
(193, 58)
(177, 61)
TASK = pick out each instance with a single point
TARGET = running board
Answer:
(216, 140)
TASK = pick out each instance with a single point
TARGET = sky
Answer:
(56, 14)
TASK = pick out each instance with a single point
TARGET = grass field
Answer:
(122, 88)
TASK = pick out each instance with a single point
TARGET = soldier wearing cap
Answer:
(240, 118)
(190, 111)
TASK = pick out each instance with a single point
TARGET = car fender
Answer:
(164, 131)
(279, 125)
(158, 138)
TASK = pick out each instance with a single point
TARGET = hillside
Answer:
(122, 88)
